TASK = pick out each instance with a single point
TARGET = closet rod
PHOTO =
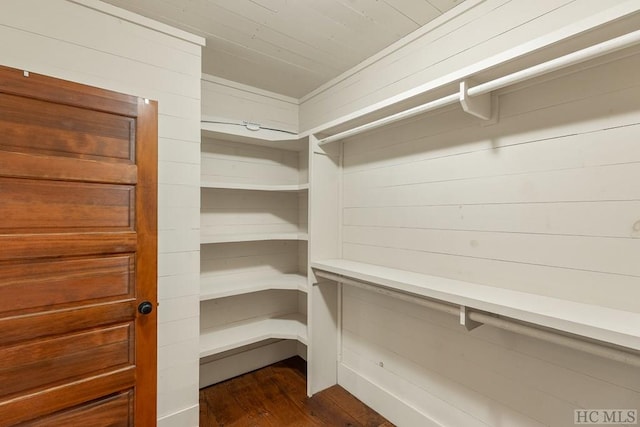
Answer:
(556, 64)
(584, 345)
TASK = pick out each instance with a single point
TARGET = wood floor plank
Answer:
(276, 396)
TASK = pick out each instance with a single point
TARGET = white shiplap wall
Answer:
(73, 42)
(228, 101)
(545, 201)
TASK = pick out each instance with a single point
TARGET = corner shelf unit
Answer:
(253, 282)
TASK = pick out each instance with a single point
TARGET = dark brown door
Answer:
(78, 169)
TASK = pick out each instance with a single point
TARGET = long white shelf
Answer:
(600, 323)
(212, 288)
(290, 326)
(250, 237)
(254, 187)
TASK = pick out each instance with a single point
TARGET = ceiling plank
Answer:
(419, 11)
(444, 5)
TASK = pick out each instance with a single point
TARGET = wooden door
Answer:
(78, 169)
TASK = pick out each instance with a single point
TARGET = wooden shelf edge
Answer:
(600, 323)
(290, 326)
(276, 282)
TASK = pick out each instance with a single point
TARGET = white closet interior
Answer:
(497, 193)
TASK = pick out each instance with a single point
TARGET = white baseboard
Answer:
(382, 401)
(188, 417)
(238, 363)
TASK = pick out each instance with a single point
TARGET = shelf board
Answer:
(250, 237)
(600, 323)
(290, 326)
(262, 137)
(254, 187)
(213, 288)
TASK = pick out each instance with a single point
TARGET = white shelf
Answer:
(290, 326)
(599, 323)
(213, 288)
(250, 237)
(254, 187)
(262, 137)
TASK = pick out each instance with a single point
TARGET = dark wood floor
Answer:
(276, 396)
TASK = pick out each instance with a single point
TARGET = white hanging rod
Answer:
(556, 64)
(475, 319)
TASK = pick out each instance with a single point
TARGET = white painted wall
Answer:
(451, 42)
(544, 201)
(225, 100)
(73, 42)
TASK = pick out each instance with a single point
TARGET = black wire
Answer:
(244, 125)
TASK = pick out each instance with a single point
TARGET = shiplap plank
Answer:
(576, 252)
(221, 170)
(248, 260)
(468, 359)
(603, 289)
(91, 63)
(224, 161)
(453, 132)
(588, 184)
(225, 311)
(419, 11)
(444, 5)
(305, 27)
(219, 100)
(124, 40)
(599, 148)
(445, 401)
(543, 355)
(577, 219)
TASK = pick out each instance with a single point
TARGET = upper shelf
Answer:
(262, 137)
(599, 323)
(254, 187)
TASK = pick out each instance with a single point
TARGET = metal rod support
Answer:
(434, 305)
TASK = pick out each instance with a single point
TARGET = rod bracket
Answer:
(465, 321)
(479, 106)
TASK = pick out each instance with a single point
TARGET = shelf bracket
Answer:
(479, 106)
(465, 321)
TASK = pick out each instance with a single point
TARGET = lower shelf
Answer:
(290, 326)
(211, 288)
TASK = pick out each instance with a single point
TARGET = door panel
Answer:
(30, 205)
(78, 185)
(39, 127)
(111, 412)
(47, 362)
(32, 284)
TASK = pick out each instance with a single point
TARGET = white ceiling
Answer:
(289, 46)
